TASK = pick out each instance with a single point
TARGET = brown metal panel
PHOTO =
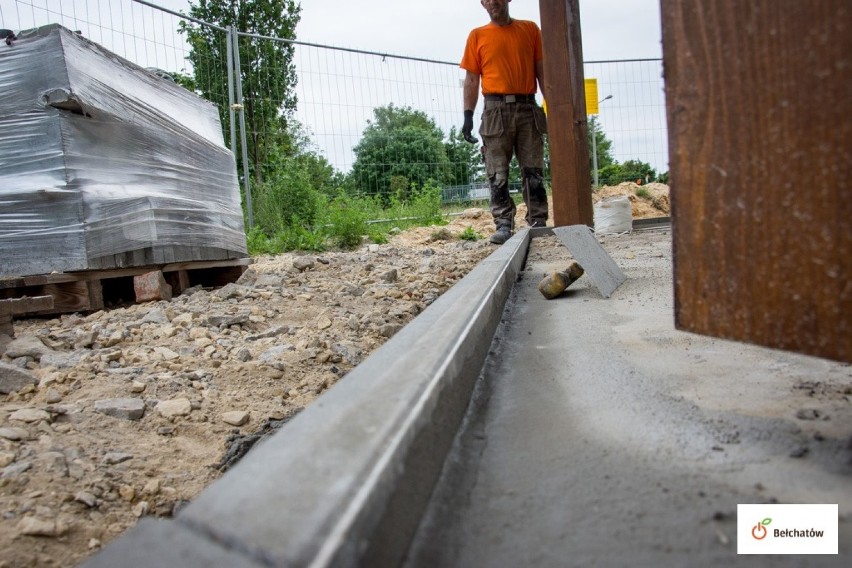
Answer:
(759, 100)
(567, 126)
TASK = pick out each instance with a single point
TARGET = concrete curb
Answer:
(346, 482)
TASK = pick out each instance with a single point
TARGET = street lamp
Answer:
(595, 146)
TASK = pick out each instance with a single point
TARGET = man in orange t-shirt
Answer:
(505, 56)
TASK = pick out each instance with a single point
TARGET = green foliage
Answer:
(267, 70)
(426, 205)
(300, 238)
(258, 242)
(604, 145)
(643, 193)
(344, 221)
(399, 143)
(611, 175)
(185, 81)
(466, 162)
(469, 234)
(663, 178)
(347, 221)
(631, 170)
(400, 187)
(636, 170)
(287, 199)
(377, 236)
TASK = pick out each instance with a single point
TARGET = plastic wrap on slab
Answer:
(99, 157)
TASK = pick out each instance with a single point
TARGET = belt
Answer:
(511, 98)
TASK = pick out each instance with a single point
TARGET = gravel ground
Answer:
(110, 416)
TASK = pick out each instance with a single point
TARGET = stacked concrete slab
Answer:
(101, 160)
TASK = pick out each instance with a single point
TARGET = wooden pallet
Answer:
(94, 289)
(16, 306)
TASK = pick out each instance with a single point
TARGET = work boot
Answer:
(501, 235)
(538, 223)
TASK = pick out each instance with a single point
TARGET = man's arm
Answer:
(471, 95)
(539, 75)
(471, 90)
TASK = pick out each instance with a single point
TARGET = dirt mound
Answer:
(648, 201)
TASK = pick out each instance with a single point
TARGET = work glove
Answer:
(8, 35)
(467, 128)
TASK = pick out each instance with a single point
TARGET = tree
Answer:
(466, 163)
(399, 143)
(631, 170)
(638, 170)
(604, 144)
(266, 67)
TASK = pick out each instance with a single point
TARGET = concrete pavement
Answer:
(601, 436)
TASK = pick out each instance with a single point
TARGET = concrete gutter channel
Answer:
(499, 429)
(345, 482)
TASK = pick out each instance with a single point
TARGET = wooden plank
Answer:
(83, 291)
(6, 327)
(41, 280)
(178, 280)
(70, 297)
(568, 131)
(207, 264)
(6, 318)
(25, 305)
(758, 106)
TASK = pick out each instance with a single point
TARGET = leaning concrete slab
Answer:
(346, 481)
(599, 266)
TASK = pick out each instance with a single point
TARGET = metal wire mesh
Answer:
(337, 91)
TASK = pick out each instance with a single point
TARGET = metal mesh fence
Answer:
(371, 123)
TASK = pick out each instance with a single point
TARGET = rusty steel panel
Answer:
(567, 126)
(759, 99)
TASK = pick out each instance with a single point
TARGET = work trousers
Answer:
(517, 128)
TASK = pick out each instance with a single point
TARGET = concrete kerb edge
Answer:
(348, 521)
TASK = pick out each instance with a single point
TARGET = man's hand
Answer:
(467, 128)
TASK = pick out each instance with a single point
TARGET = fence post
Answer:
(231, 107)
(243, 135)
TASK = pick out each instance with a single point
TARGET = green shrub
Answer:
(286, 200)
(299, 238)
(469, 234)
(258, 242)
(347, 221)
(643, 193)
(378, 236)
(426, 205)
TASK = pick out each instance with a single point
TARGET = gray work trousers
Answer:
(517, 128)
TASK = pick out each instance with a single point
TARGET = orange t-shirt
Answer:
(505, 57)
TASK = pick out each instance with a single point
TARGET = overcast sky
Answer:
(437, 29)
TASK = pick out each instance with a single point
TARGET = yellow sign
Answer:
(591, 96)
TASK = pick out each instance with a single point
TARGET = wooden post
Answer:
(758, 103)
(567, 127)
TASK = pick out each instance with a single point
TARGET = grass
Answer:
(469, 234)
(644, 193)
(344, 222)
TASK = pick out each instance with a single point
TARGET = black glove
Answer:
(467, 128)
(8, 35)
